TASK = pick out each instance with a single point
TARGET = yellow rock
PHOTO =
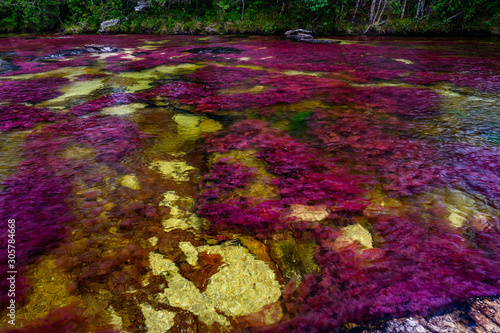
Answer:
(75, 89)
(153, 240)
(181, 218)
(242, 286)
(176, 170)
(157, 321)
(187, 126)
(190, 252)
(160, 265)
(210, 125)
(131, 181)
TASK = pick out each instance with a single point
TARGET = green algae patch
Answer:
(157, 321)
(261, 187)
(74, 91)
(122, 110)
(189, 127)
(295, 258)
(10, 152)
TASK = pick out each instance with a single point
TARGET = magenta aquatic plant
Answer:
(102, 102)
(35, 197)
(302, 174)
(67, 319)
(14, 117)
(418, 267)
(354, 143)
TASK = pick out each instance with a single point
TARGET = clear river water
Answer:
(245, 183)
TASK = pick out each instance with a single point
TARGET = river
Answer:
(234, 183)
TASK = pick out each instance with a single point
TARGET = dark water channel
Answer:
(216, 184)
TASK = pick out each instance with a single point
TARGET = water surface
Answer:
(207, 183)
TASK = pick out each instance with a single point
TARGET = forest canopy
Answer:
(253, 16)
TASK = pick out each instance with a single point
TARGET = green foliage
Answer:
(261, 16)
(298, 123)
(27, 15)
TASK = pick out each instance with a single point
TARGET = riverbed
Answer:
(233, 183)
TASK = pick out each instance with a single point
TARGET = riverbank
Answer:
(271, 24)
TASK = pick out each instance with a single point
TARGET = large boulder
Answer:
(100, 48)
(107, 24)
(304, 36)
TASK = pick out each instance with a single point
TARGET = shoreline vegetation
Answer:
(323, 17)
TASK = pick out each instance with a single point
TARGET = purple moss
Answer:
(35, 196)
(102, 102)
(13, 117)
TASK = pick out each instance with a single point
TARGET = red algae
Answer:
(15, 117)
(31, 91)
(70, 318)
(410, 273)
(303, 176)
(41, 186)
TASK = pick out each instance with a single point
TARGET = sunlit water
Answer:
(231, 183)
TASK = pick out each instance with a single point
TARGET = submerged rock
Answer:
(243, 285)
(7, 66)
(298, 34)
(215, 50)
(304, 36)
(98, 48)
(479, 316)
(355, 233)
(89, 48)
(60, 54)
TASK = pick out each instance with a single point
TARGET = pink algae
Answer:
(301, 174)
(409, 273)
(36, 195)
(31, 91)
(102, 102)
(15, 117)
